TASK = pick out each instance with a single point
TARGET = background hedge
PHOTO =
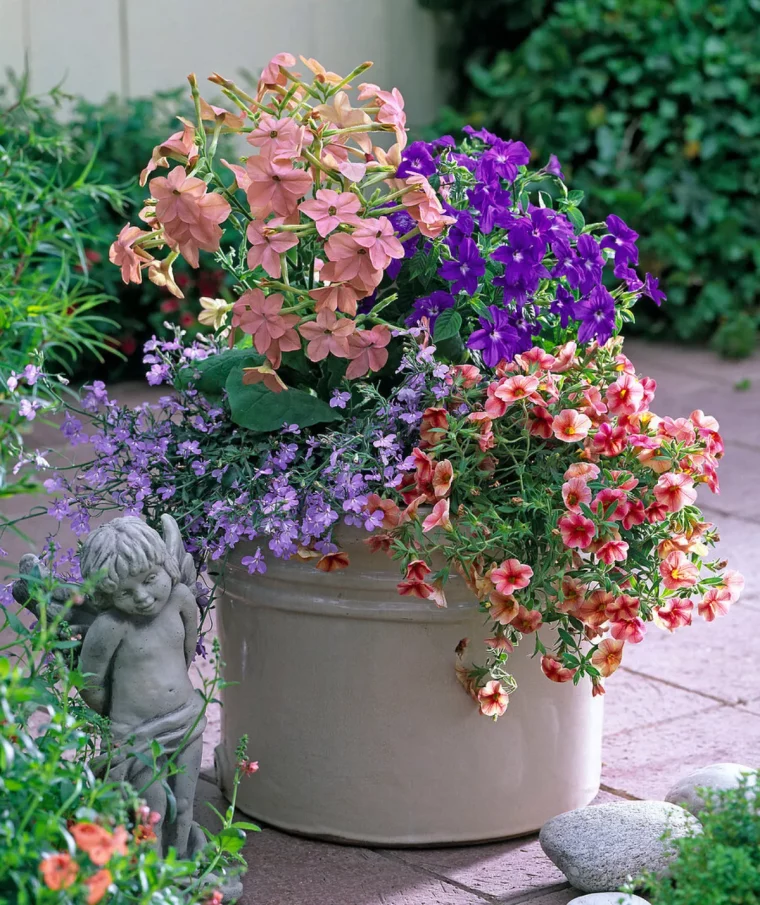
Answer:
(653, 108)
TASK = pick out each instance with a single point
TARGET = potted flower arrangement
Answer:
(415, 455)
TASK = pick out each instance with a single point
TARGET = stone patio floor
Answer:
(678, 703)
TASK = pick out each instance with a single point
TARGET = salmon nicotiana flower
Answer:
(329, 209)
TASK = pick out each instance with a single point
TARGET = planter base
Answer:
(348, 696)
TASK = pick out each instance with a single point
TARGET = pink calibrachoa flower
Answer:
(513, 389)
(678, 571)
(378, 237)
(608, 656)
(329, 209)
(438, 518)
(493, 699)
(188, 213)
(540, 422)
(555, 671)
(586, 470)
(391, 512)
(593, 610)
(733, 582)
(527, 621)
(434, 421)
(327, 335)
(623, 607)
(510, 576)
(577, 530)
(675, 491)
(632, 630)
(259, 315)
(502, 608)
(574, 492)
(367, 350)
(275, 185)
(613, 550)
(333, 562)
(267, 244)
(610, 441)
(129, 259)
(571, 426)
(675, 614)
(274, 135)
(716, 602)
(443, 477)
(625, 396)
(499, 642)
(414, 585)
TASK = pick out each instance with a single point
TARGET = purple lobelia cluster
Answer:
(286, 491)
(519, 260)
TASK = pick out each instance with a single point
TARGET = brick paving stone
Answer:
(714, 658)
(555, 897)
(646, 762)
(634, 702)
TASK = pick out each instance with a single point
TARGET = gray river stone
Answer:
(602, 847)
(717, 777)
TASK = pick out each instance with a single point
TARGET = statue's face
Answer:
(144, 594)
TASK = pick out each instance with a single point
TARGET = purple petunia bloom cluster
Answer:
(518, 258)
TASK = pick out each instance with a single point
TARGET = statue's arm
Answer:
(100, 645)
(188, 610)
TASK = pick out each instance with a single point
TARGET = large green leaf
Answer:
(259, 409)
(210, 375)
(448, 324)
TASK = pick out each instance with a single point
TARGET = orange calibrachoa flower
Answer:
(97, 886)
(59, 871)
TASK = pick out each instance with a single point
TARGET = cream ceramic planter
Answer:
(348, 696)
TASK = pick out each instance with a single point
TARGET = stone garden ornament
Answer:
(139, 630)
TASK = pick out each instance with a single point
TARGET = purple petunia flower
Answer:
(554, 166)
(489, 201)
(463, 273)
(588, 265)
(483, 135)
(596, 315)
(521, 257)
(502, 160)
(416, 160)
(629, 277)
(622, 240)
(652, 289)
(496, 339)
(563, 305)
(430, 306)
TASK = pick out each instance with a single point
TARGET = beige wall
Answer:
(135, 46)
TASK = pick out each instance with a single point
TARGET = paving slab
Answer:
(507, 870)
(740, 545)
(718, 659)
(634, 702)
(646, 762)
(288, 870)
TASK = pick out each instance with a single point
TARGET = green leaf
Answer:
(259, 409)
(214, 370)
(250, 827)
(448, 324)
(231, 840)
(576, 218)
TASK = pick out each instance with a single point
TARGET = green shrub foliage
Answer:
(652, 107)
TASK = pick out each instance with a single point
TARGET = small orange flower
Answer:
(98, 885)
(59, 871)
(608, 656)
(332, 562)
(95, 840)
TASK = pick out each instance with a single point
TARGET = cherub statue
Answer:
(140, 630)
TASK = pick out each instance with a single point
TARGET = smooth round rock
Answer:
(717, 777)
(608, 898)
(602, 847)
